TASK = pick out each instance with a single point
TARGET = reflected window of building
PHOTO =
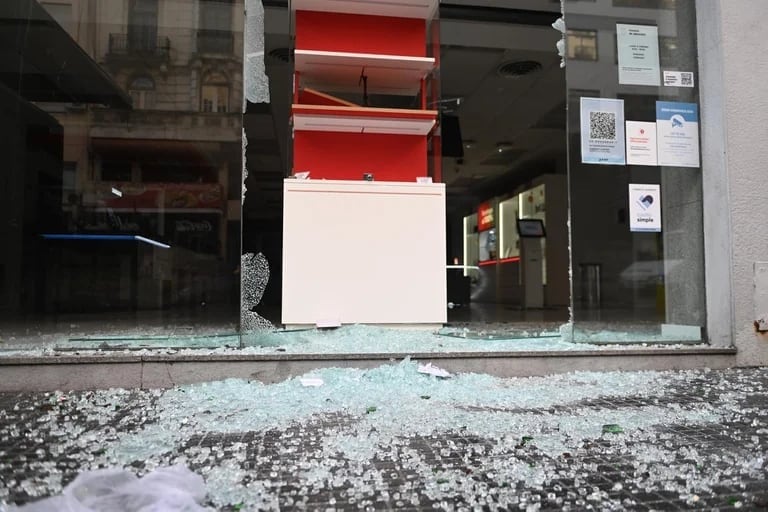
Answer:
(142, 92)
(668, 51)
(61, 12)
(215, 27)
(115, 170)
(68, 180)
(142, 25)
(582, 44)
(180, 172)
(214, 93)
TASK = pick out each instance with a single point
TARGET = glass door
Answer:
(635, 179)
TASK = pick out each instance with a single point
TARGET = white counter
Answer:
(364, 252)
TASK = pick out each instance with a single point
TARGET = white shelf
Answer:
(340, 71)
(422, 9)
(363, 120)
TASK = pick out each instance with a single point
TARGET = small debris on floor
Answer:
(431, 369)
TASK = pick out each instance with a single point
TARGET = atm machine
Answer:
(531, 233)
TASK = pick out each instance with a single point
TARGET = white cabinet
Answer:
(364, 252)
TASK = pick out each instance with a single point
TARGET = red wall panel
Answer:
(347, 156)
(354, 33)
(311, 97)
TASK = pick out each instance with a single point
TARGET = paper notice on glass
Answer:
(602, 131)
(638, 52)
(677, 129)
(678, 79)
(644, 208)
(641, 143)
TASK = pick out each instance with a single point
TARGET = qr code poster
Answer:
(602, 131)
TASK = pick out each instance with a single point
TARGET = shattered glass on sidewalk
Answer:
(349, 339)
(393, 438)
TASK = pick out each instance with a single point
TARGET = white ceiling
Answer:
(518, 113)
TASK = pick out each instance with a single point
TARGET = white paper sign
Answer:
(641, 143)
(677, 129)
(678, 79)
(644, 208)
(638, 52)
(602, 131)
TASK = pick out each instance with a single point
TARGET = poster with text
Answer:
(641, 143)
(602, 131)
(644, 208)
(638, 52)
(677, 129)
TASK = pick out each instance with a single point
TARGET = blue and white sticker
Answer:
(677, 131)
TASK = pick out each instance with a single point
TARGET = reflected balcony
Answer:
(166, 125)
(142, 45)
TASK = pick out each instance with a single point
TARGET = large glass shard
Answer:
(254, 277)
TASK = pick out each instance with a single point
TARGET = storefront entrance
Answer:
(574, 186)
(503, 159)
(148, 176)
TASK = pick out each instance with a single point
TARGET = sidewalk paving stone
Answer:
(692, 440)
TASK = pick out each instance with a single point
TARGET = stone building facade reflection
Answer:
(168, 169)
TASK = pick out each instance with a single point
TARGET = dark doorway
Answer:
(504, 95)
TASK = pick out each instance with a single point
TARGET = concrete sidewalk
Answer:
(394, 438)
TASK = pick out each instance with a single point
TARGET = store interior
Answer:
(502, 118)
(502, 83)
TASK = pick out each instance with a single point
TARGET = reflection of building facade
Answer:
(168, 168)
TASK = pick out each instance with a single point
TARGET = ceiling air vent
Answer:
(518, 68)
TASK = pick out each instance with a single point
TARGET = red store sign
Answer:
(485, 219)
(156, 196)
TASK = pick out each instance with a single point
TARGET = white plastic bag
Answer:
(171, 489)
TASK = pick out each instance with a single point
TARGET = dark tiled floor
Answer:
(608, 472)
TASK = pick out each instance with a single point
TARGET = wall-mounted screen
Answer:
(531, 228)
